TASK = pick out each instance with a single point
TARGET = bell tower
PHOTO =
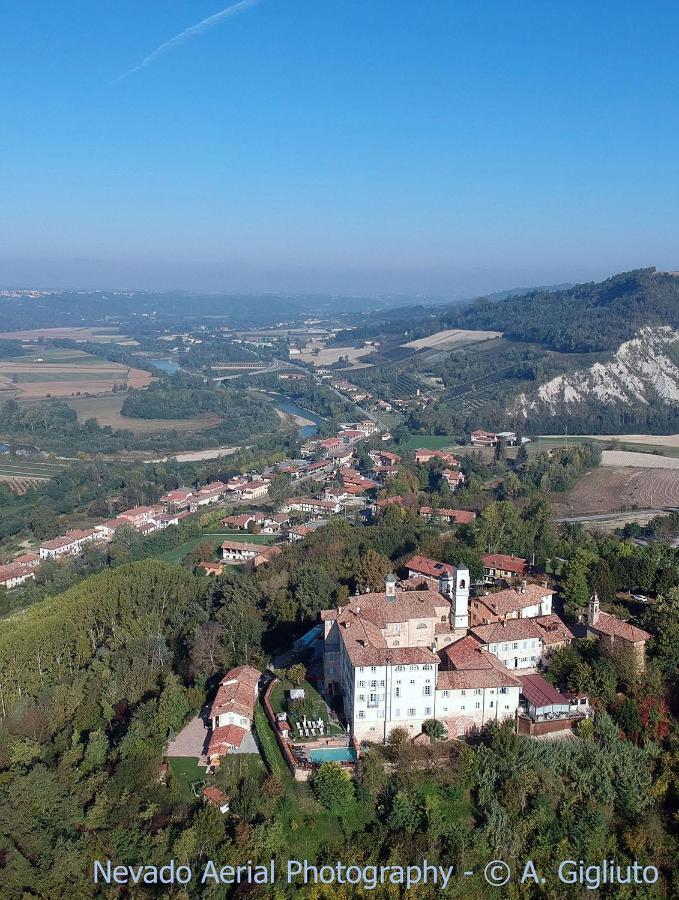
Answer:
(593, 612)
(455, 586)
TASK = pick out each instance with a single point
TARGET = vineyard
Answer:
(22, 476)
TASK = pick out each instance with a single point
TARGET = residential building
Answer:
(253, 490)
(613, 634)
(424, 456)
(69, 544)
(453, 479)
(139, 515)
(232, 712)
(481, 438)
(14, 574)
(431, 569)
(524, 643)
(313, 506)
(448, 516)
(527, 601)
(499, 565)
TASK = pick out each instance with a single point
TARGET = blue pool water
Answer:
(166, 365)
(333, 754)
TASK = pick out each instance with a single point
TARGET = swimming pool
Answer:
(333, 754)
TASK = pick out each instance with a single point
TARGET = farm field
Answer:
(326, 356)
(452, 338)
(70, 333)
(613, 488)
(644, 460)
(22, 475)
(178, 553)
(65, 374)
(427, 442)
(666, 444)
(106, 410)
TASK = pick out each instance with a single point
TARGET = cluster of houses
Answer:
(427, 647)
(481, 438)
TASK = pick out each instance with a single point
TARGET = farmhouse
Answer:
(454, 480)
(241, 552)
(310, 505)
(253, 490)
(139, 515)
(426, 456)
(232, 712)
(482, 438)
(613, 633)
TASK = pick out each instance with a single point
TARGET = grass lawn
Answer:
(278, 704)
(178, 553)
(187, 771)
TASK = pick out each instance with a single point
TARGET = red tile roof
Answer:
(507, 563)
(431, 568)
(471, 666)
(501, 603)
(237, 692)
(612, 626)
(213, 795)
(549, 629)
(223, 738)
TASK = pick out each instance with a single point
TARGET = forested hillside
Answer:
(587, 318)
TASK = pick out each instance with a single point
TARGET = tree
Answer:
(333, 787)
(371, 570)
(435, 729)
(296, 674)
(202, 552)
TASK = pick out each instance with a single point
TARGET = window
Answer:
(492, 704)
(421, 625)
(502, 690)
(397, 713)
(426, 666)
(372, 698)
(360, 668)
(397, 627)
(411, 712)
(477, 705)
(446, 693)
(427, 710)
(414, 668)
(373, 684)
(397, 692)
(427, 690)
(380, 713)
(400, 668)
(515, 645)
(464, 693)
(373, 668)
(361, 684)
(412, 681)
(382, 683)
(477, 692)
(361, 714)
(361, 698)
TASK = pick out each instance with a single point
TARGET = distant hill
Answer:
(586, 318)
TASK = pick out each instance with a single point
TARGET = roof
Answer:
(246, 546)
(237, 692)
(460, 516)
(65, 539)
(15, 570)
(540, 692)
(432, 568)
(471, 666)
(505, 562)
(382, 610)
(224, 737)
(503, 602)
(612, 626)
(548, 629)
(214, 795)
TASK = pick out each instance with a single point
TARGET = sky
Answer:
(447, 147)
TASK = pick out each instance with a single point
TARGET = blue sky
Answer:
(358, 146)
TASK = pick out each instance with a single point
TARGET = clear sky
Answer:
(446, 146)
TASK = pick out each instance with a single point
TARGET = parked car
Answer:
(640, 598)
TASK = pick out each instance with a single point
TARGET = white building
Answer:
(524, 644)
(527, 601)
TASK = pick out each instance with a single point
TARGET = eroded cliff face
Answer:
(642, 369)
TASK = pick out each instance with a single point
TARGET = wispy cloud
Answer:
(187, 34)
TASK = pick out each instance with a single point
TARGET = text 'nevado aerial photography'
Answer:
(339, 450)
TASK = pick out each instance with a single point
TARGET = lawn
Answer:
(178, 553)
(320, 708)
(187, 772)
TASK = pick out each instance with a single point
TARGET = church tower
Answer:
(455, 586)
(593, 612)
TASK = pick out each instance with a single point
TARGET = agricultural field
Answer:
(20, 476)
(65, 373)
(452, 339)
(427, 442)
(317, 354)
(665, 444)
(69, 333)
(106, 410)
(612, 488)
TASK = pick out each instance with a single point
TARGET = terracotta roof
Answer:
(540, 692)
(237, 692)
(214, 795)
(15, 570)
(223, 738)
(549, 629)
(460, 516)
(471, 666)
(612, 626)
(430, 567)
(242, 545)
(508, 563)
(65, 539)
(503, 602)
(382, 610)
